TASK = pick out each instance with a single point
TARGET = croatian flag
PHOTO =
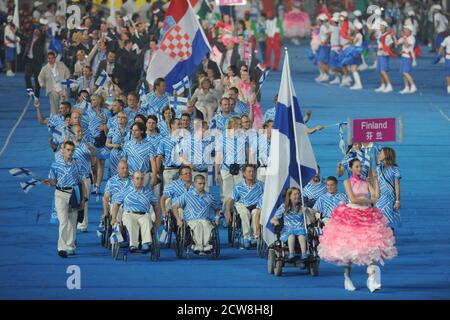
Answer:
(183, 45)
(291, 160)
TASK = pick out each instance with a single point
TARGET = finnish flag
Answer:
(30, 92)
(69, 83)
(178, 103)
(291, 161)
(263, 78)
(142, 93)
(26, 186)
(184, 84)
(20, 172)
(116, 235)
(102, 79)
(342, 125)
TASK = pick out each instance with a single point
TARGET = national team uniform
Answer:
(196, 212)
(117, 136)
(138, 156)
(137, 212)
(293, 223)
(247, 199)
(94, 122)
(386, 180)
(312, 192)
(327, 202)
(113, 186)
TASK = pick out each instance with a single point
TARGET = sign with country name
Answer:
(231, 2)
(374, 130)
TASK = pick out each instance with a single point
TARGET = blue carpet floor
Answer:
(30, 268)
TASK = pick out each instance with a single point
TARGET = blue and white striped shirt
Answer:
(135, 200)
(353, 154)
(314, 191)
(155, 104)
(95, 121)
(115, 184)
(132, 114)
(232, 149)
(65, 175)
(221, 121)
(197, 151)
(269, 115)
(243, 194)
(175, 189)
(241, 108)
(259, 147)
(138, 155)
(327, 202)
(154, 140)
(197, 206)
(163, 128)
(56, 124)
(169, 150)
(293, 220)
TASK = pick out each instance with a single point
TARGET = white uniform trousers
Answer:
(247, 220)
(133, 222)
(201, 229)
(228, 182)
(67, 221)
(84, 224)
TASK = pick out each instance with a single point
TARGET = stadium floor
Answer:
(31, 269)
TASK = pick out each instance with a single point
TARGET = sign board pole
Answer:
(400, 128)
(349, 131)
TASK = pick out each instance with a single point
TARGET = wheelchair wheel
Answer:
(271, 261)
(181, 241)
(278, 268)
(215, 242)
(261, 248)
(314, 268)
(104, 237)
(155, 253)
(115, 248)
(125, 258)
(236, 230)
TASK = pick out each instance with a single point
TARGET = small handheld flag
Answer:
(142, 92)
(26, 186)
(341, 137)
(20, 172)
(116, 235)
(102, 79)
(263, 78)
(30, 92)
(69, 83)
(177, 102)
(184, 84)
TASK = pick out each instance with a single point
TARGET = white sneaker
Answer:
(9, 73)
(319, 78)
(414, 64)
(363, 67)
(348, 284)
(325, 78)
(346, 82)
(448, 89)
(380, 88)
(413, 89)
(356, 87)
(374, 278)
(336, 80)
(405, 90)
(388, 89)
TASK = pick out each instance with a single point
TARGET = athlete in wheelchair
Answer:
(243, 219)
(290, 225)
(140, 216)
(195, 230)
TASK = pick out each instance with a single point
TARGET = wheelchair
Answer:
(170, 226)
(278, 252)
(262, 249)
(235, 235)
(104, 239)
(184, 241)
(117, 248)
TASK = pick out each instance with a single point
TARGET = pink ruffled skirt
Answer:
(297, 24)
(357, 236)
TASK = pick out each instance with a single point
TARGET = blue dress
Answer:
(294, 223)
(386, 180)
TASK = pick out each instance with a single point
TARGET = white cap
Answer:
(10, 19)
(436, 7)
(335, 16)
(358, 25)
(357, 13)
(409, 27)
(322, 17)
(343, 14)
(411, 13)
(377, 12)
(384, 23)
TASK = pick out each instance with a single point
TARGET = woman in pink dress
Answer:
(358, 232)
(247, 94)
